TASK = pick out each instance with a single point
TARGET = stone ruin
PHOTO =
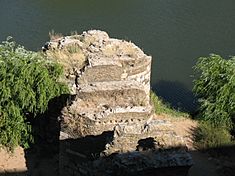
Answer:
(109, 127)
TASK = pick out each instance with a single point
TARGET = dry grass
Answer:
(54, 36)
(128, 49)
(70, 57)
(121, 48)
(75, 35)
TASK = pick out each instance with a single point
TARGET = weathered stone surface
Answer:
(155, 135)
(108, 128)
(114, 93)
(103, 119)
(141, 163)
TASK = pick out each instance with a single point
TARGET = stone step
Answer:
(100, 74)
(95, 121)
(115, 69)
(157, 134)
(105, 113)
(114, 93)
(140, 66)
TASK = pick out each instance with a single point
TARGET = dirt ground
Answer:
(203, 165)
(43, 162)
(12, 162)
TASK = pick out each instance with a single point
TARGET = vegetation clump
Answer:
(215, 89)
(209, 137)
(70, 57)
(161, 107)
(28, 82)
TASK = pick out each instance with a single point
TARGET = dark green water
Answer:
(174, 32)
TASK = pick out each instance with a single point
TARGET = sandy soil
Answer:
(12, 162)
(183, 127)
(203, 165)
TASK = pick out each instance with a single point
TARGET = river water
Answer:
(174, 32)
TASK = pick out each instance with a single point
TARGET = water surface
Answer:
(174, 32)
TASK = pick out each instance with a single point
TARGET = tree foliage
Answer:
(27, 83)
(215, 88)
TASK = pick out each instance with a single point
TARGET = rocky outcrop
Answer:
(109, 128)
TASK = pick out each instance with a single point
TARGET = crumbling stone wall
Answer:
(112, 88)
(109, 128)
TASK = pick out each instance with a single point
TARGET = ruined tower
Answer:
(109, 127)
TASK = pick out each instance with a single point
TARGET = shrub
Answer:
(208, 136)
(27, 83)
(215, 88)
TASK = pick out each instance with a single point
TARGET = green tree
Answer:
(215, 89)
(27, 82)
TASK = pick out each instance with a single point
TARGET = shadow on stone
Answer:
(42, 156)
(89, 147)
(146, 144)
